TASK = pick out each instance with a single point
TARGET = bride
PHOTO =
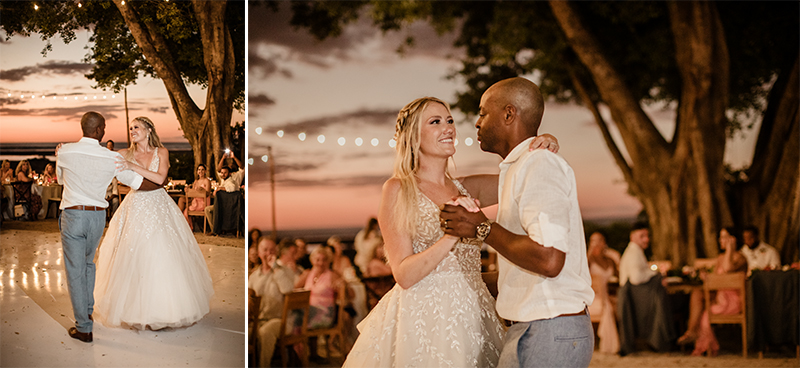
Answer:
(440, 313)
(151, 273)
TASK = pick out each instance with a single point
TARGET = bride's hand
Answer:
(545, 141)
(122, 163)
(472, 205)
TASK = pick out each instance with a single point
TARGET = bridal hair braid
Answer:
(153, 140)
(406, 163)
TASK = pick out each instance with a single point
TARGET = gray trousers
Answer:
(80, 235)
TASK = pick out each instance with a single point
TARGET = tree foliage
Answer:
(119, 59)
(721, 65)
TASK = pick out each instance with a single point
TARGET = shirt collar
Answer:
(89, 140)
(517, 152)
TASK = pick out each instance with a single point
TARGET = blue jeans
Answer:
(80, 235)
(555, 342)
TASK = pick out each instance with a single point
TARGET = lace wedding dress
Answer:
(150, 271)
(447, 319)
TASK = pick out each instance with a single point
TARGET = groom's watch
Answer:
(483, 230)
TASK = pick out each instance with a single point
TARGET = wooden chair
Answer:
(23, 197)
(705, 263)
(190, 195)
(732, 281)
(254, 309)
(123, 191)
(339, 329)
(296, 300)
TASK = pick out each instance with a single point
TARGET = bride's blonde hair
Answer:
(406, 163)
(152, 137)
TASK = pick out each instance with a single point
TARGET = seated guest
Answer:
(303, 258)
(270, 282)
(725, 302)
(377, 266)
(253, 237)
(49, 175)
(365, 242)
(230, 181)
(325, 285)
(340, 262)
(23, 171)
(6, 172)
(252, 257)
(642, 306)
(287, 253)
(759, 255)
(201, 182)
(602, 266)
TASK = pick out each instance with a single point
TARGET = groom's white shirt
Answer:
(86, 169)
(538, 198)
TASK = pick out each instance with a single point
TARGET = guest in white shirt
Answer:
(230, 181)
(633, 266)
(86, 169)
(544, 285)
(760, 255)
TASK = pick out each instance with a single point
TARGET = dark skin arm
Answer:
(519, 249)
(148, 185)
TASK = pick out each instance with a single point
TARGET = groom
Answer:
(544, 284)
(85, 169)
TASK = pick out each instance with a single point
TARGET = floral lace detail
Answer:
(445, 320)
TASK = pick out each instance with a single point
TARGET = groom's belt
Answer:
(581, 313)
(86, 208)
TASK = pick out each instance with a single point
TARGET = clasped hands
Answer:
(461, 217)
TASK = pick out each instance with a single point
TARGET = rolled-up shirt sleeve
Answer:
(544, 202)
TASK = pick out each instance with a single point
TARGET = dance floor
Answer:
(35, 312)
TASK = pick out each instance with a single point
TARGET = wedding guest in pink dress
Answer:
(201, 181)
(725, 302)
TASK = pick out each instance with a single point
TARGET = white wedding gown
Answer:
(447, 319)
(150, 271)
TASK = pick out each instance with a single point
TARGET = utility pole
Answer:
(271, 160)
(127, 120)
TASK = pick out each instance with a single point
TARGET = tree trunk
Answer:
(770, 195)
(679, 183)
(207, 130)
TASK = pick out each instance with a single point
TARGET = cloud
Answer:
(159, 109)
(260, 100)
(60, 67)
(368, 117)
(274, 42)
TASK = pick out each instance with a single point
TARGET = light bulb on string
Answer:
(265, 158)
(250, 161)
(321, 138)
(392, 143)
(374, 142)
(359, 141)
(468, 142)
(258, 130)
(341, 141)
(455, 142)
(279, 133)
(35, 7)
(302, 137)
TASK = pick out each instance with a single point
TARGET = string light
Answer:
(265, 158)
(392, 143)
(35, 7)
(341, 141)
(302, 137)
(280, 134)
(374, 142)
(258, 130)
(359, 141)
(250, 161)
(468, 142)
(321, 138)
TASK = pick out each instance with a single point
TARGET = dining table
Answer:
(773, 309)
(51, 192)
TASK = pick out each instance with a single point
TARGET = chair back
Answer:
(192, 194)
(728, 281)
(22, 191)
(298, 299)
(339, 328)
